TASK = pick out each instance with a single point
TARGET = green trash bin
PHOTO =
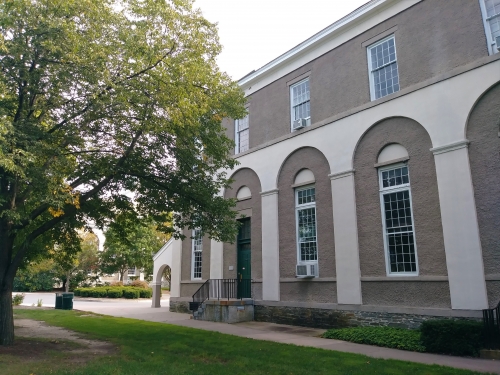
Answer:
(67, 301)
(59, 301)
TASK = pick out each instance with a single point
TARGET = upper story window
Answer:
(197, 248)
(491, 17)
(241, 134)
(383, 67)
(397, 217)
(305, 204)
(300, 103)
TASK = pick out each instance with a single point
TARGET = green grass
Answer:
(397, 338)
(156, 348)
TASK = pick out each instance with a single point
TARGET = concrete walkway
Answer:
(276, 332)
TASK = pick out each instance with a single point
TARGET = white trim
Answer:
(304, 207)
(487, 30)
(335, 176)
(450, 147)
(390, 190)
(269, 192)
(162, 249)
(370, 71)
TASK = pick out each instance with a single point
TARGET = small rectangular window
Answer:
(307, 246)
(300, 99)
(397, 215)
(491, 18)
(383, 68)
(241, 135)
(197, 247)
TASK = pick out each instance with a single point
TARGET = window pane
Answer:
(306, 196)
(197, 253)
(399, 232)
(395, 177)
(307, 234)
(244, 141)
(301, 100)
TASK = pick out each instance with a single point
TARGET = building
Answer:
(369, 172)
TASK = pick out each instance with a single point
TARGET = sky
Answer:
(254, 32)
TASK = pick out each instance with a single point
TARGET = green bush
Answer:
(397, 338)
(84, 292)
(77, 292)
(455, 337)
(18, 299)
(146, 293)
(131, 293)
(115, 293)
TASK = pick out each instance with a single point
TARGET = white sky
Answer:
(254, 32)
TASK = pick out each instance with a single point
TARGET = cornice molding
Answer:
(269, 192)
(336, 176)
(450, 147)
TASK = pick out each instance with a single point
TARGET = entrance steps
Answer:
(226, 311)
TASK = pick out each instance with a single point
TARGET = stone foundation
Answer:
(331, 318)
(226, 311)
(179, 306)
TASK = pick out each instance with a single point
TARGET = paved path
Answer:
(268, 331)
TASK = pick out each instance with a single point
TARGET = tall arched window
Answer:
(197, 248)
(398, 223)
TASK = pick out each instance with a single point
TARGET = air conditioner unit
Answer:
(307, 270)
(497, 42)
(299, 124)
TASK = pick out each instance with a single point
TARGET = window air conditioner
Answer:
(497, 42)
(307, 270)
(299, 124)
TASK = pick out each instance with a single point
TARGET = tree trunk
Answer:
(68, 276)
(6, 315)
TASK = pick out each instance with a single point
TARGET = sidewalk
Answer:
(306, 337)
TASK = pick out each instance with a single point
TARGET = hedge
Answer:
(397, 338)
(114, 292)
(456, 337)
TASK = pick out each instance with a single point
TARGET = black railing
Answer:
(221, 289)
(491, 320)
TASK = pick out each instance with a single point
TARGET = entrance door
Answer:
(244, 260)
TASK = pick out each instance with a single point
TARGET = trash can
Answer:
(67, 301)
(59, 301)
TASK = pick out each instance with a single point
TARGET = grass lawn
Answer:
(156, 348)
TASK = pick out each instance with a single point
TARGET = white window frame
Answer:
(370, 72)
(193, 251)
(395, 189)
(292, 112)
(237, 134)
(492, 47)
(131, 268)
(297, 209)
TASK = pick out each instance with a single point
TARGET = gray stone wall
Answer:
(328, 318)
(179, 306)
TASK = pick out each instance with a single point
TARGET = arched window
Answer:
(397, 219)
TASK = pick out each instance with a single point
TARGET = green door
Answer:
(244, 260)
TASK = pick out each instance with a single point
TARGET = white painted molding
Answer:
(450, 147)
(336, 176)
(269, 192)
(162, 249)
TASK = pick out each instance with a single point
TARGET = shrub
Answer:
(397, 338)
(456, 337)
(131, 293)
(84, 292)
(77, 292)
(116, 283)
(18, 299)
(146, 293)
(98, 292)
(139, 284)
(115, 293)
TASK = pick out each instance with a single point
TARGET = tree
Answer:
(76, 266)
(97, 98)
(131, 242)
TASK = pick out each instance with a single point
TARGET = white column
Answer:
(346, 238)
(460, 227)
(216, 260)
(270, 246)
(175, 282)
(156, 294)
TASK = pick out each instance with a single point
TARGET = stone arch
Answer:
(306, 290)
(483, 132)
(251, 207)
(426, 213)
(162, 259)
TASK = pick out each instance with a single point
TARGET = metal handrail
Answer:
(222, 289)
(491, 321)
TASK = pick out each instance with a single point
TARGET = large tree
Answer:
(102, 97)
